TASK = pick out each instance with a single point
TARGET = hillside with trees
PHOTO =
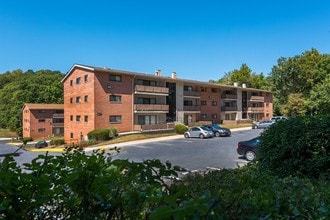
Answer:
(18, 87)
(300, 84)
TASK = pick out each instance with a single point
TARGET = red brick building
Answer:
(43, 120)
(96, 98)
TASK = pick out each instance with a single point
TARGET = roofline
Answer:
(109, 70)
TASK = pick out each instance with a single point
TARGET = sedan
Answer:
(199, 131)
(41, 144)
(263, 124)
(248, 148)
(219, 131)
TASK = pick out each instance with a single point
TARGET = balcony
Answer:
(257, 99)
(229, 96)
(141, 89)
(191, 94)
(229, 109)
(255, 109)
(148, 107)
(192, 108)
(152, 127)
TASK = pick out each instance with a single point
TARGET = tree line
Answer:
(300, 86)
(18, 87)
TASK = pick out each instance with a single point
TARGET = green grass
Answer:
(6, 133)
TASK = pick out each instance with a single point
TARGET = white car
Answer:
(199, 132)
(263, 124)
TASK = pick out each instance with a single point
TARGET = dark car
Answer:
(263, 124)
(219, 131)
(248, 148)
(41, 144)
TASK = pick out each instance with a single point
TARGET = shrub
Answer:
(26, 139)
(180, 128)
(99, 135)
(57, 141)
(299, 146)
(113, 132)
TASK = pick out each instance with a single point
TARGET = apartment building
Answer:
(97, 98)
(43, 120)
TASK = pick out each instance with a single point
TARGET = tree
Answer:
(319, 100)
(296, 105)
(244, 75)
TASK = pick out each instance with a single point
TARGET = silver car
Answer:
(263, 124)
(199, 132)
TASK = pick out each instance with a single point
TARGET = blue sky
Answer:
(199, 40)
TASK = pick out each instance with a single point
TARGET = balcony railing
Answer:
(58, 115)
(58, 124)
(191, 108)
(255, 109)
(228, 96)
(192, 93)
(224, 109)
(147, 107)
(163, 126)
(257, 98)
(151, 89)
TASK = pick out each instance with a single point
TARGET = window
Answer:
(86, 118)
(115, 98)
(42, 120)
(115, 119)
(71, 135)
(146, 100)
(41, 130)
(214, 116)
(86, 78)
(187, 88)
(78, 100)
(187, 103)
(115, 78)
(214, 90)
(86, 98)
(58, 120)
(203, 102)
(41, 111)
(78, 80)
(147, 119)
(203, 89)
(71, 100)
(71, 82)
(214, 103)
(78, 117)
(203, 116)
(146, 82)
(71, 117)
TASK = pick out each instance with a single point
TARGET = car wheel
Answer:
(201, 136)
(186, 135)
(250, 155)
(217, 134)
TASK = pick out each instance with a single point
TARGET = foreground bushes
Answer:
(180, 128)
(299, 146)
(79, 186)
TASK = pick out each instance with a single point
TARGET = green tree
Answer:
(244, 75)
(299, 75)
(319, 100)
(18, 87)
(296, 105)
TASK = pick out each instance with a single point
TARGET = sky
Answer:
(198, 39)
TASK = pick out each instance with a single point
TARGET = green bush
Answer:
(99, 135)
(27, 139)
(113, 132)
(57, 141)
(180, 128)
(299, 146)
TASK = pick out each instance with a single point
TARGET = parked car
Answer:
(248, 148)
(263, 124)
(219, 131)
(199, 131)
(278, 118)
(41, 144)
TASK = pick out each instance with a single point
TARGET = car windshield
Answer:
(216, 126)
(205, 128)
